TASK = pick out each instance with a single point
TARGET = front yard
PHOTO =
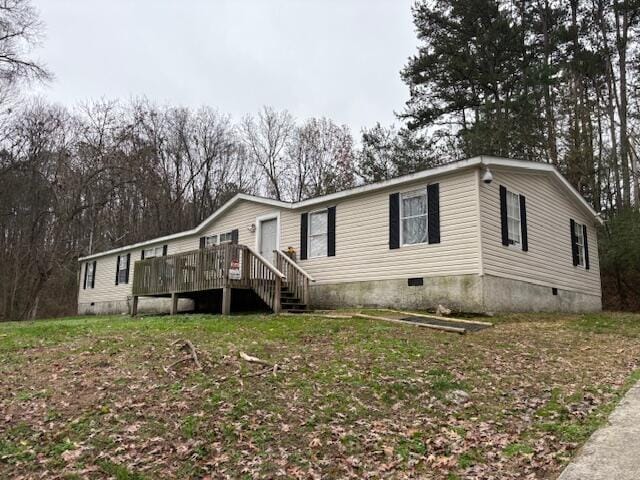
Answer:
(90, 397)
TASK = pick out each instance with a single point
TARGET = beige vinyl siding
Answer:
(362, 239)
(106, 289)
(549, 261)
(362, 236)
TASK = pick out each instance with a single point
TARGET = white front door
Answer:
(268, 238)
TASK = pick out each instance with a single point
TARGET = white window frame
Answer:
(420, 192)
(515, 197)
(216, 238)
(325, 234)
(579, 238)
(90, 274)
(122, 267)
(154, 252)
(228, 235)
(211, 240)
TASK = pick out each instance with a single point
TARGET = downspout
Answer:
(479, 219)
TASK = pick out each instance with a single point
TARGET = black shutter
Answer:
(331, 232)
(433, 212)
(164, 250)
(523, 224)
(234, 236)
(86, 267)
(142, 254)
(117, 268)
(503, 215)
(93, 280)
(574, 243)
(203, 242)
(394, 221)
(586, 247)
(128, 263)
(304, 219)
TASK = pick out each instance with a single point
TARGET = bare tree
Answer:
(266, 140)
(321, 159)
(20, 31)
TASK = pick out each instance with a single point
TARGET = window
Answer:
(122, 269)
(211, 240)
(513, 217)
(579, 236)
(218, 239)
(318, 223)
(90, 274)
(413, 217)
(153, 252)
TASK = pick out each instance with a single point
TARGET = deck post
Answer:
(246, 267)
(174, 303)
(226, 300)
(307, 296)
(276, 295)
(134, 306)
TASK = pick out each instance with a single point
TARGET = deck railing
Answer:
(221, 266)
(297, 280)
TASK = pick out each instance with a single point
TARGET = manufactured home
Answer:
(483, 234)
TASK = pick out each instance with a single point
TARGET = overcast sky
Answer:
(334, 58)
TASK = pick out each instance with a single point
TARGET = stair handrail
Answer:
(267, 263)
(295, 265)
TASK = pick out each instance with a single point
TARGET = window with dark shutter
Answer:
(122, 269)
(304, 219)
(394, 221)
(164, 250)
(579, 244)
(574, 243)
(203, 241)
(90, 275)
(142, 254)
(513, 219)
(433, 212)
(234, 236)
(86, 268)
(331, 232)
(318, 234)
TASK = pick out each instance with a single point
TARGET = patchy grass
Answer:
(89, 397)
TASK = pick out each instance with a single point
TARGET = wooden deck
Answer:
(223, 267)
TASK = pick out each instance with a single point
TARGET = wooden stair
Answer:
(294, 292)
(290, 303)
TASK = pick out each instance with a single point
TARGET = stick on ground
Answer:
(251, 359)
(187, 346)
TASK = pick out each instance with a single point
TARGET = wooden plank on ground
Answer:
(316, 314)
(461, 331)
(426, 315)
